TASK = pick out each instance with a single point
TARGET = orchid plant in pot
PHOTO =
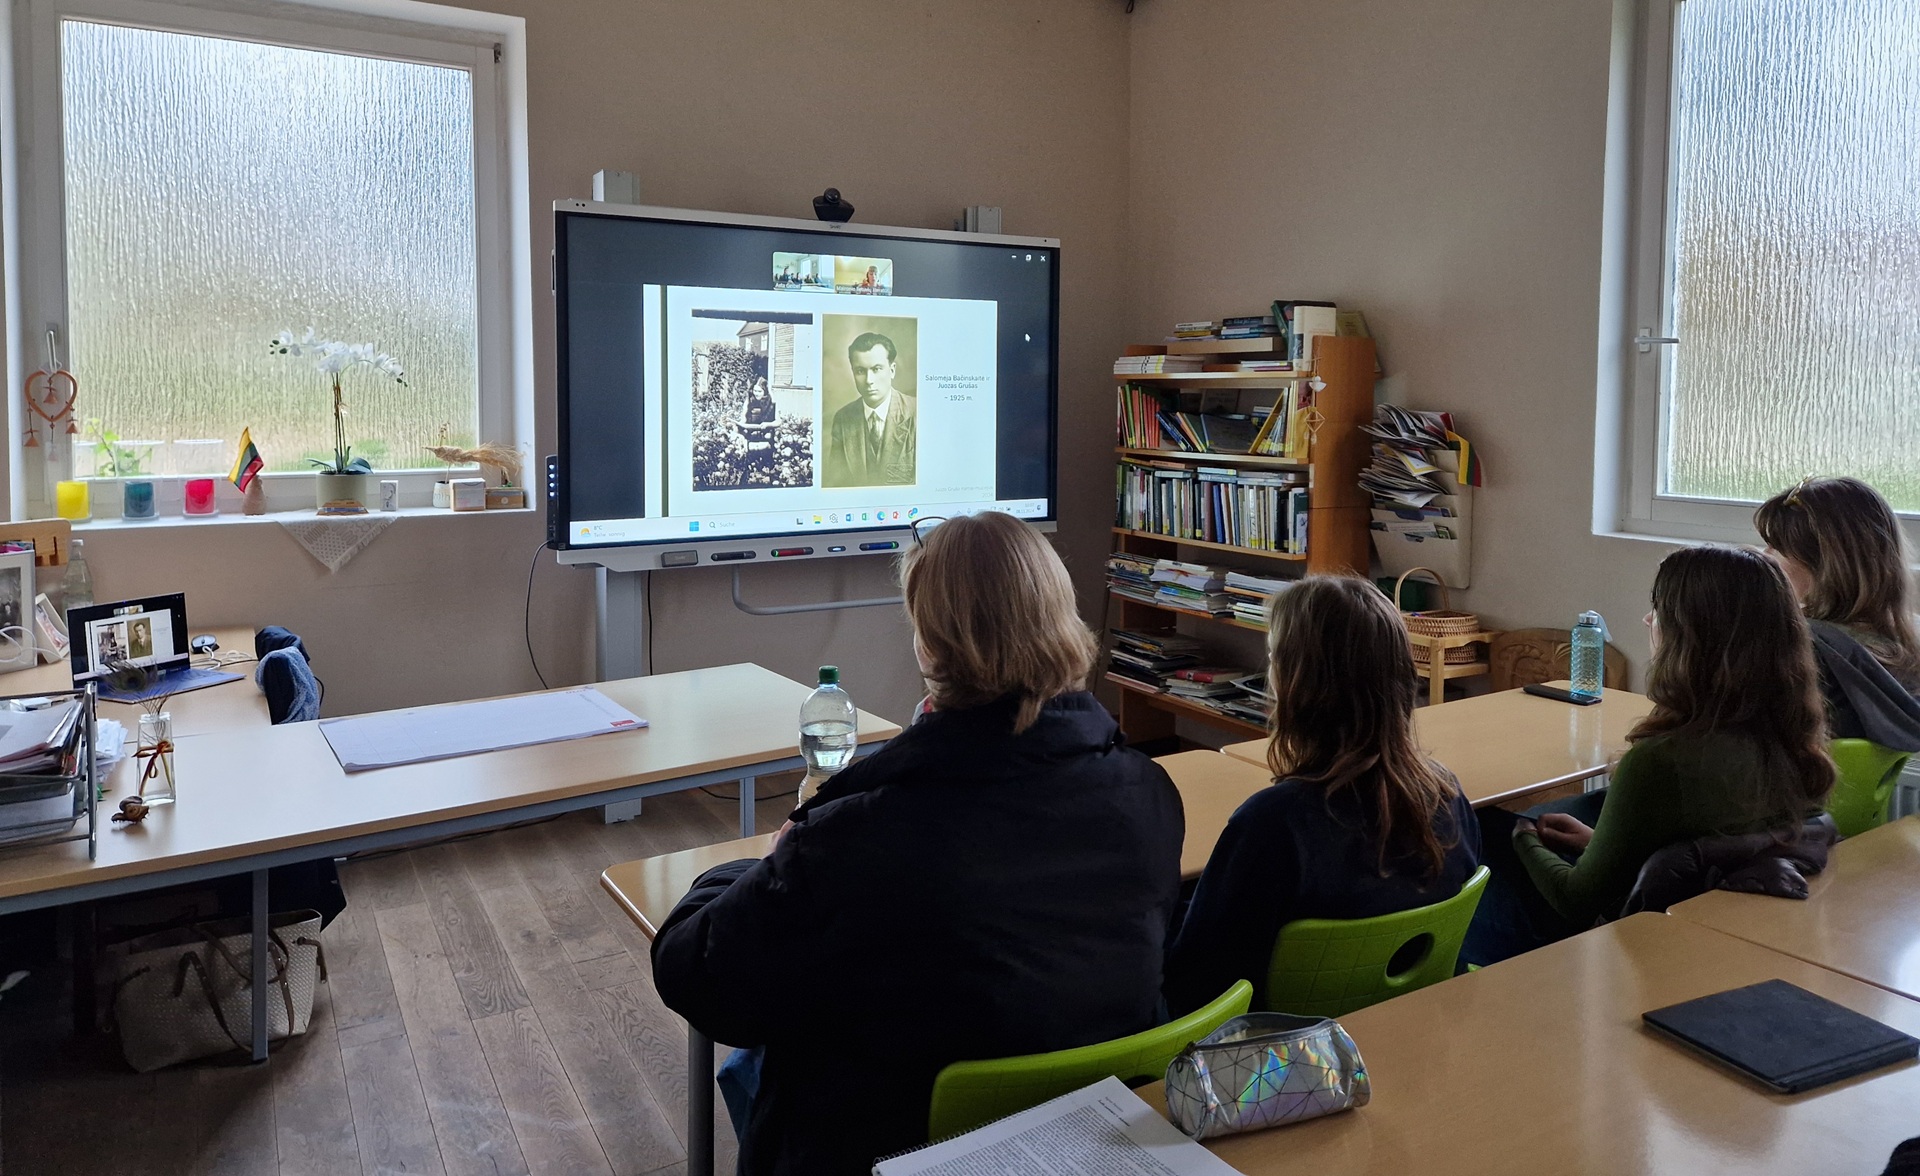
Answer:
(346, 478)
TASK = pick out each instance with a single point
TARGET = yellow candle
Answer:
(70, 499)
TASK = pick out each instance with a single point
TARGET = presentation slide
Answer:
(797, 401)
(138, 639)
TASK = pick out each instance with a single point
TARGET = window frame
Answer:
(1647, 370)
(489, 47)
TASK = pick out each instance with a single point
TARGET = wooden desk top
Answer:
(1211, 787)
(258, 790)
(1861, 916)
(1540, 1064)
(1506, 745)
(197, 712)
(648, 888)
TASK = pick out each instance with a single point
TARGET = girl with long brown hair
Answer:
(1358, 823)
(1842, 549)
(1736, 743)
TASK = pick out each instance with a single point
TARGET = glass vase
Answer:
(155, 755)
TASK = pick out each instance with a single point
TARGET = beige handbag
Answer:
(187, 992)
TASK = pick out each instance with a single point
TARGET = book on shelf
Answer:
(1159, 642)
(1209, 675)
(1138, 417)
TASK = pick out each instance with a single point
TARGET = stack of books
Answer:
(1206, 684)
(1253, 326)
(1252, 704)
(1188, 587)
(1250, 594)
(1195, 330)
(1210, 432)
(1156, 365)
(1146, 656)
(1131, 576)
(1265, 510)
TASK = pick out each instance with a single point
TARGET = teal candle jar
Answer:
(136, 500)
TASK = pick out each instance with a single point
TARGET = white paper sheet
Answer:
(1098, 1130)
(423, 733)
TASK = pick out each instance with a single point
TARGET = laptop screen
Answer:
(149, 632)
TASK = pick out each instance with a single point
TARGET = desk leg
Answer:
(699, 1103)
(746, 806)
(259, 965)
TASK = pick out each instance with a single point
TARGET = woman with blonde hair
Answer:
(997, 880)
(1358, 823)
(1842, 549)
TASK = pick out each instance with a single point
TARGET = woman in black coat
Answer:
(997, 880)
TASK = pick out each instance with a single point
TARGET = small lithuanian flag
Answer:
(246, 467)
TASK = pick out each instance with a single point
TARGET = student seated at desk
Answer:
(997, 880)
(1736, 743)
(1845, 556)
(1359, 822)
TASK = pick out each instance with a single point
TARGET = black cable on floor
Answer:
(526, 618)
(757, 797)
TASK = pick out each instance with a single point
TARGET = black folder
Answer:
(1783, 1036)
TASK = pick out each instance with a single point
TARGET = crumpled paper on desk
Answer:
(335, 540)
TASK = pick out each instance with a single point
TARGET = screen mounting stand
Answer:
(779, 610)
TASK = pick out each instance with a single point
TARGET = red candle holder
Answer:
(199, 498)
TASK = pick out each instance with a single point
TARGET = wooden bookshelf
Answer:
(1263, 345)
(1245, 459)
(1235, 622)
(1174, 704)
(1232, 380)
(1337, 514)
(1205, 545)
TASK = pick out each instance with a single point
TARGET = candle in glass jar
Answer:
(70, 500)
(137, 500)
(199, 499)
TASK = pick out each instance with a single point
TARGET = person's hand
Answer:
(1524, 825)
(1563, 832)
(782, 832)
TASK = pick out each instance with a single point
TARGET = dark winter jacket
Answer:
(962, 893)
(1777, 863)
(1864, 701)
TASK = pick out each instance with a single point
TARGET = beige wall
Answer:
(914, 110)
(1440, 166)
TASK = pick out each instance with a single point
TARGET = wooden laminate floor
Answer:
(488, 1010)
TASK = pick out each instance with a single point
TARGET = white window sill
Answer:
(176, 522)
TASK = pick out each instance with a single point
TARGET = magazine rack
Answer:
(81, 786)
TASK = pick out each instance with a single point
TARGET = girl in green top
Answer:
(1736, 743)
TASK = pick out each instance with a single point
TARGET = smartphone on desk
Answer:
(1555, 692)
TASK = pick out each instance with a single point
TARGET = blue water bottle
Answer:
(1589, 653)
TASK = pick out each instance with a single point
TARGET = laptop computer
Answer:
(150, 633)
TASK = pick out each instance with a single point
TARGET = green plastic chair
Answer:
(967, 1094)
(1864, 788)
(1330, 967)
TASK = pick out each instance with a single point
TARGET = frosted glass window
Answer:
(219, 191)
(1796, 220)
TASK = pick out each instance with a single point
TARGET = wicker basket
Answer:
(1440, 622)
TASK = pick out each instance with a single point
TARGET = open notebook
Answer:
(1099, 1130)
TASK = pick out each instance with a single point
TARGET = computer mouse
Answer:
(204, 643)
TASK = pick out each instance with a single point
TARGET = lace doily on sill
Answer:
(333, 541)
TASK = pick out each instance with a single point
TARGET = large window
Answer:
(1779, 283)
(223, 176)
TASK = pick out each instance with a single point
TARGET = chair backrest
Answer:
(1330, 967)
(1521, 657)
(1864, 789)
(967, 1094)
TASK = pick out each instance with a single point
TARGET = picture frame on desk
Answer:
(18, 647)
(51, 628)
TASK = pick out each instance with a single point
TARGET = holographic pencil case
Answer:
(1264, 1070)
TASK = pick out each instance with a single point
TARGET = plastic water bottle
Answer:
(1589, 653)
(828, 729)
